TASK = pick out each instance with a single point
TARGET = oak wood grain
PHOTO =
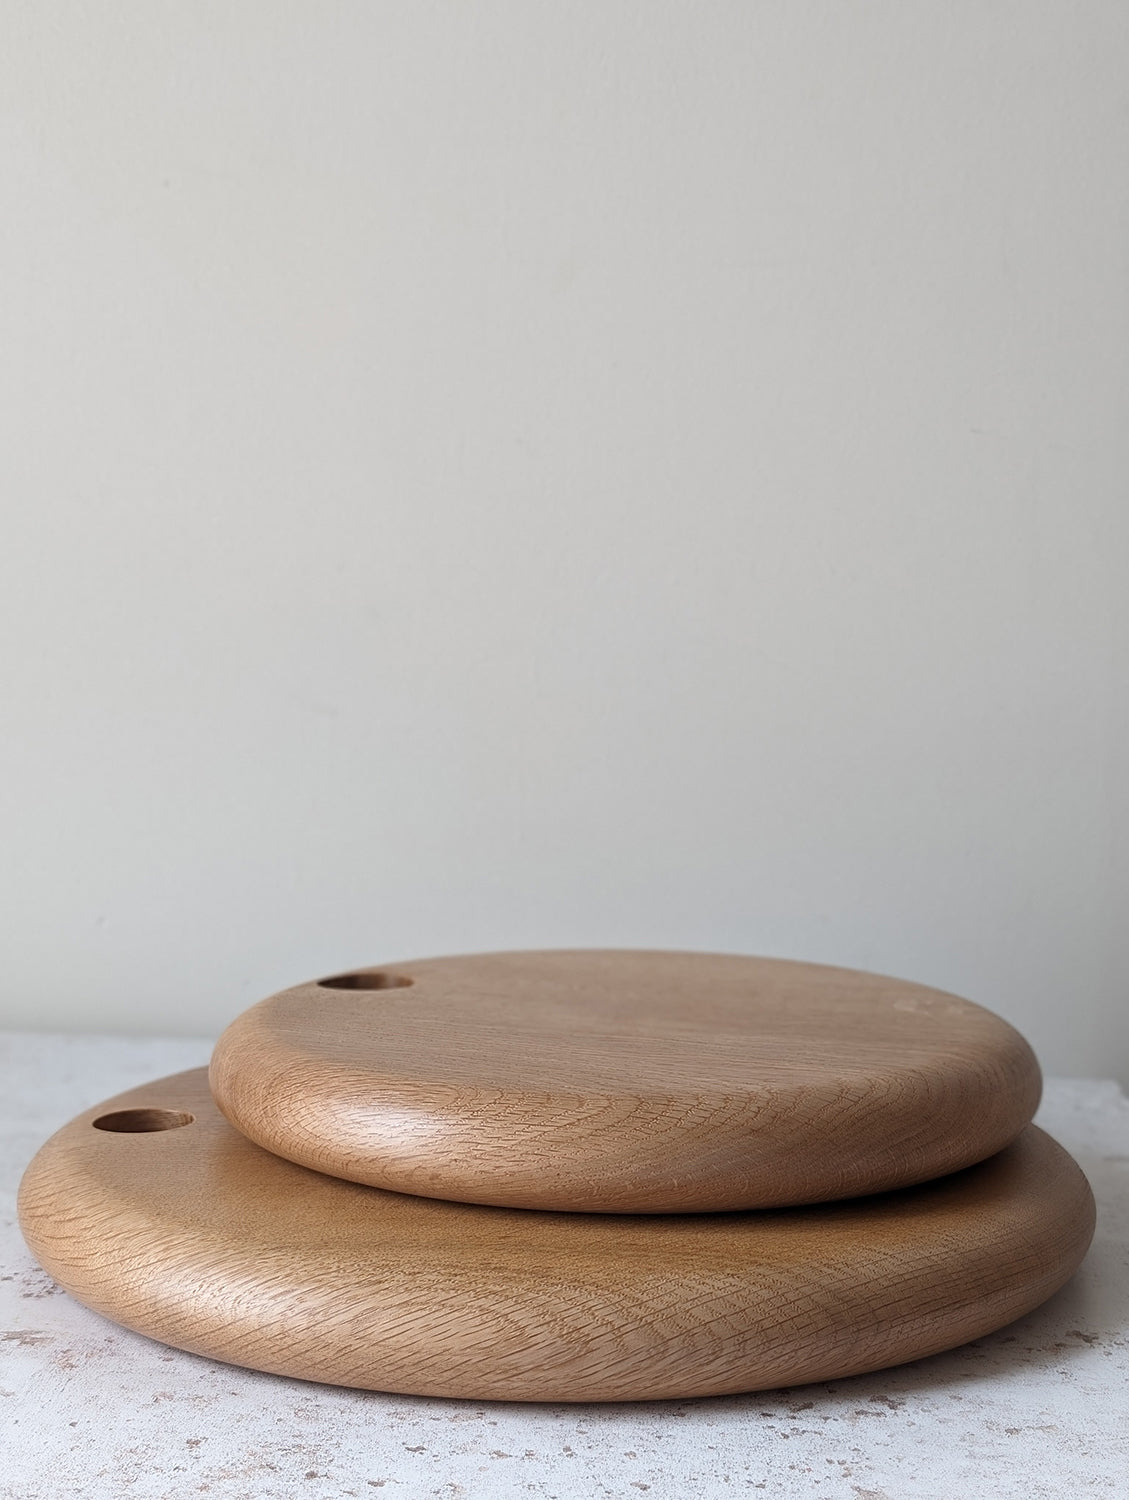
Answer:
(627, 1082)
(195, 1236)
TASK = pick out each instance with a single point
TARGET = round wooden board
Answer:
(625, 1082)
(195, 1236)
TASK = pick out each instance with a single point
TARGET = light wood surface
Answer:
(195, 1236)
(625, 1082)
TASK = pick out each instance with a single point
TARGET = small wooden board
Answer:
(625, 1082)
(195, 1236)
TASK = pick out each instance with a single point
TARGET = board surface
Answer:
(195, 1236)
(625, 1082)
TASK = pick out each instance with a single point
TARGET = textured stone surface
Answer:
(88, 1409)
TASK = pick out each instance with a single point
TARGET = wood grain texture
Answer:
(625, 1082)
(197, 1237)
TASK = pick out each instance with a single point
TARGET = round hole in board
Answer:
(134, 1121)
(366, 979)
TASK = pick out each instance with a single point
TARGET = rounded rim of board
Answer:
(173, 1224)
(625, 1081)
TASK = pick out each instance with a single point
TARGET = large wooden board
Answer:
(624, 1081)
(195, 1236)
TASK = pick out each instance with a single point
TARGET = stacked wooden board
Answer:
(573, 1176)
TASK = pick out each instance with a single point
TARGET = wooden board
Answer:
(625, 1082)
(195, 1236)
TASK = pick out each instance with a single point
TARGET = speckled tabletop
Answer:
(87, 1409)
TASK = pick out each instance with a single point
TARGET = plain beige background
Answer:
(489, 475)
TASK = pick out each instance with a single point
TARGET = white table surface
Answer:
(88, 1409)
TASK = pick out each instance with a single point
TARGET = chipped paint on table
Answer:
(89, 1409)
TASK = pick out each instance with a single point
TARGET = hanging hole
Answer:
(142, 1120)
(366, 979)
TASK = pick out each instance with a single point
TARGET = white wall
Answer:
(506, 474)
